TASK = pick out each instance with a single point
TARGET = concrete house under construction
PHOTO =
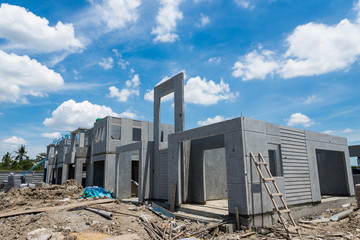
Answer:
(213, 162)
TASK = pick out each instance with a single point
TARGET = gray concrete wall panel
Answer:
(295, 165)
(354, 151)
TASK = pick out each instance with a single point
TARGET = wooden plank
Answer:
(57, 208)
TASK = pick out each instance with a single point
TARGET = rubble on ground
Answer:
(133, 222)
(71, 189)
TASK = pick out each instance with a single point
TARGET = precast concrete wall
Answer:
(207, 170)
(32, 177)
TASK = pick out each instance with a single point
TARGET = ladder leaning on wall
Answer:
(272, 196)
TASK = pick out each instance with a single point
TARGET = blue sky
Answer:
(65, 63)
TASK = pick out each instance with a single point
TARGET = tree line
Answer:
(21, 161)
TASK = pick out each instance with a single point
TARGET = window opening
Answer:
(136, 134)
(115, 132)
(275, 161)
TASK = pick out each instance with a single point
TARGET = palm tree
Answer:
(6, 161)
(21, 154)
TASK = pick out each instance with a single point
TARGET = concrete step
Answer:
(204, 211)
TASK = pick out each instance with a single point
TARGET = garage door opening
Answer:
(332, 172)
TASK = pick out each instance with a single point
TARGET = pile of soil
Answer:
(71, 189)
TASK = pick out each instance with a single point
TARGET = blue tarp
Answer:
(90, 192)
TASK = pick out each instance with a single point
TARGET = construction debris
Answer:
(341, 215)
(127, 221)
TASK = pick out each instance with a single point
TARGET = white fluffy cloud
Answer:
(120, 60)
(166, 20)
(245, 4)
(216, 60)
(318, 48)
(134, 82)
(204, 20)
(21, 76)
(348, 130)
(52, 135)
(199, 91)
(128, 114)
(312, 99)
(299, 119)
(71, 115)
(124, 94)
(25, 30)
(208, 121)
(10, 144)
(255, 65)
(115, 14)
(107, 63)
(14, 140)
(313, 49)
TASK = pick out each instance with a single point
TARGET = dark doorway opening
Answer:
(44, 175)
(99, 173)
(53, 180)
(71, 172)
(134, 178)
(332, 172)
(59, 175)
(207, 170)
(83, 175)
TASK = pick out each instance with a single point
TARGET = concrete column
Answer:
(81, 139)
(236, 173)
(73, 142)
(145, 159)
(174, 170)
(78, 169)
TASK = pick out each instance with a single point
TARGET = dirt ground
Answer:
(137, 222)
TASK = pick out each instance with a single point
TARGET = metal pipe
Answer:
(103, 213)
(341, 215)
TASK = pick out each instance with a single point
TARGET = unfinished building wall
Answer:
(207, 170)
(160, 164)
(316, 143)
